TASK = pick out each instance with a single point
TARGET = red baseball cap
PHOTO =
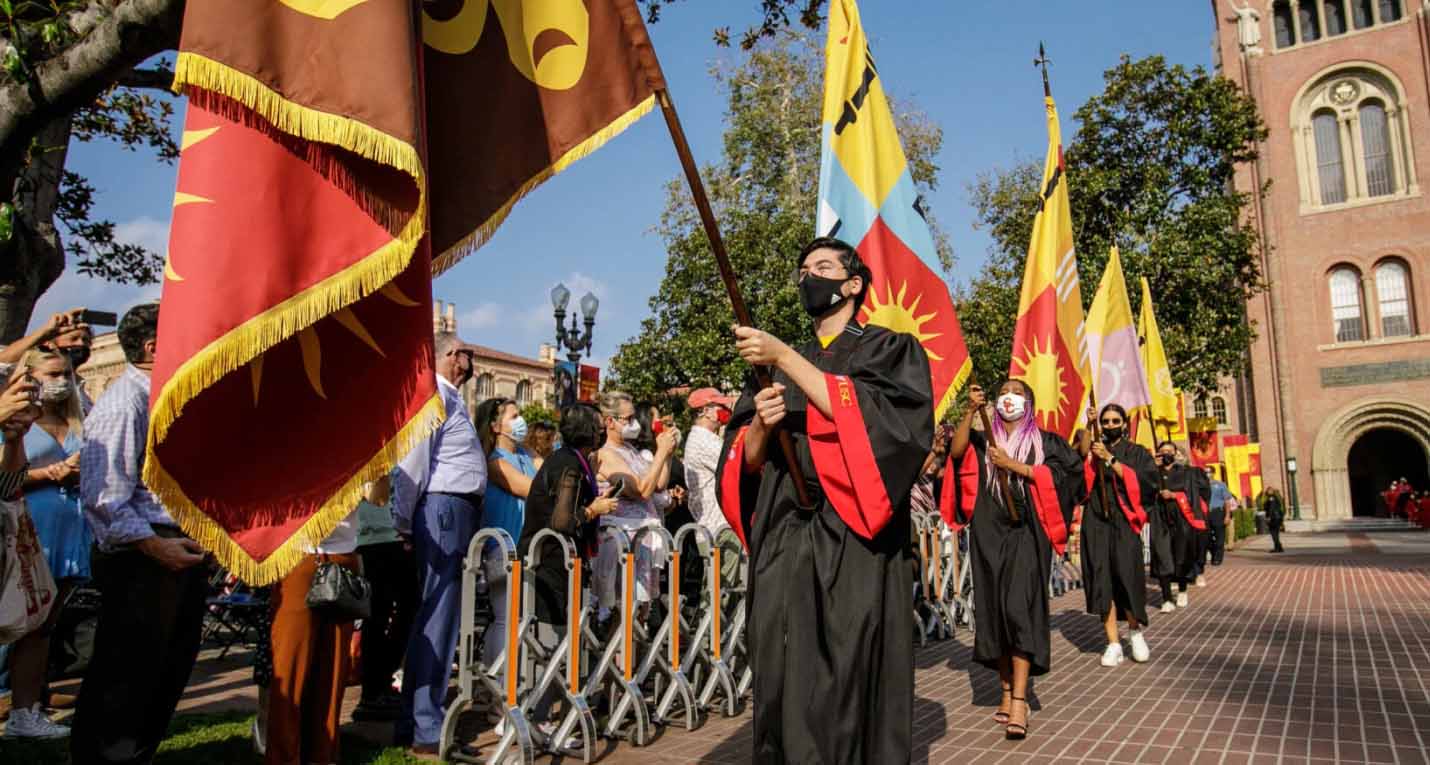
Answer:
(704, 397)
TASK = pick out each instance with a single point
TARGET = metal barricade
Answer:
(659, 652)
(929, 528)
(562, 663)
(724, 645)
(959, 575)
(616, 667)
(474, 675)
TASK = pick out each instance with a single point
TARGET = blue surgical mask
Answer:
(517, 429)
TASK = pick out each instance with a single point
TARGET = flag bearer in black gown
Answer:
(831, 587)
(1180, 518)
(1120, 477)
(1012, 559)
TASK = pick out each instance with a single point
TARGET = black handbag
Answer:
(338, 593)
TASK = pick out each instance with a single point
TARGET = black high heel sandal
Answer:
(1000, 716)
(1017, 731)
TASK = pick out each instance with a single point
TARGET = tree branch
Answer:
(120, 36)
(156, 79)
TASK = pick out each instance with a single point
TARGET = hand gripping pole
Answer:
(503, 678)
(562, 663)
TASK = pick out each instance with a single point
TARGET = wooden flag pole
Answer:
(727, 273)
(1000, 472)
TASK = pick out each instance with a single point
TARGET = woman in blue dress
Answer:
(52, 496)
(509, 472)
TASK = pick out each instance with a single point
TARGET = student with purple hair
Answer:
(1012, 548)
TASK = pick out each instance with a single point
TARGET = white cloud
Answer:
(483, 316)
(74, 290)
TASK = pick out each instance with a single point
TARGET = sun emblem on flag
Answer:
(897, 313)
(309, 344)
(1042, 372)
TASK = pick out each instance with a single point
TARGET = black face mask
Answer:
(1111, 435)
(819, 295)
(77, 354)
(1166, 459)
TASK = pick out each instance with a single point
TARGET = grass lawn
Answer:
(206, 740)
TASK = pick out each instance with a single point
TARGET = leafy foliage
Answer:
(775, 17)
(764, 192)
(535, 413)
(1150, 170)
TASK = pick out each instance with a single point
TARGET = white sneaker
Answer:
(32, 723)
(1181, 600)
(1168, 607)
(1113, 655)
(1140, 651)
(1201, 581)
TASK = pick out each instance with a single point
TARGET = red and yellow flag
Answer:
(1049, 347)
(295, 361)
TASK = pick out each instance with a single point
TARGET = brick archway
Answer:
(1330, 455)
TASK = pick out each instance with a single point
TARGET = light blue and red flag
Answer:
(867, 197)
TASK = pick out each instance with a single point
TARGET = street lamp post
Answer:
(573, 339)
(1295, 503)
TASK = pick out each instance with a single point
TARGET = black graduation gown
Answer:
(1012, 563)
(830, 627)
(1174, 541)
(1112, 570)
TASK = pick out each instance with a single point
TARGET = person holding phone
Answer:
(51, 489)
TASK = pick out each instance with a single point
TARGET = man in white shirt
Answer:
(437, 500)
(702, 456)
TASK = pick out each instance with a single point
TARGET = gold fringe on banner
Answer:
(244, 343)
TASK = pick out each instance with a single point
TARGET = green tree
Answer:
(763, 191)
(1150, 169)
(535, 413)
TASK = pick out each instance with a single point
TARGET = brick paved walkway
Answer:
(1319, 655)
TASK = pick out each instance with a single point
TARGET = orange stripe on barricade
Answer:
(513, 624)
(675, 611)
(627, 615)
(937, 588)
(573, 631)
(715, 601)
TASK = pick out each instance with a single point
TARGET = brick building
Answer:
(1339, 379)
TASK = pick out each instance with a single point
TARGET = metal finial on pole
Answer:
(1042, 61)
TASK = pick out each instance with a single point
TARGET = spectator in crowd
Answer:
(641, 477)
(1218, 515)
(310, 657)
(540, 441)
(17, 411)
(75, 344)
(52, 498)
(562, 497)
(151, 576)
(437, 501)
(66, 324)
(1275, 515)
(388, 564)
(503, 431)
(702, 456)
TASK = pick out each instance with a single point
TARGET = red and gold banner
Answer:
(1202, 439)
(1049, 343)
(296, 355)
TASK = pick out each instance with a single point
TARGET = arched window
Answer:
(1362, 14)
(486, 386)
(1281, 21)
(1219, 409)
(1375, 136)
(1310, 21)
(1335, 14)
(1389, 11)
(1350, 128)
(523, 392)
(1392, 296)
(1347, 318)
(1330, 167)
(1199, 407)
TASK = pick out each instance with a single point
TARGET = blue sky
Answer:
(968, 63)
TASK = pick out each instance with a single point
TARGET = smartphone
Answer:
(617, 486)
(98, 318)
